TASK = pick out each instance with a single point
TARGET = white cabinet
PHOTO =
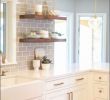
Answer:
(91, 85)
(80, 88)
(100, 86)
(84, 86)
(101, 77)
(80, 92)
(59, 89)
(59, 83)
(60, 95)
(100, 91)
(71, 88)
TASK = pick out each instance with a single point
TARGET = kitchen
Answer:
(65, 73)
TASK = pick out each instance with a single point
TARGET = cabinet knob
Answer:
(100, 77)
(100, 91)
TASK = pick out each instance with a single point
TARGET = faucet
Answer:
(3, 73)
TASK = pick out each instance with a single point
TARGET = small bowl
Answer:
(54, 36)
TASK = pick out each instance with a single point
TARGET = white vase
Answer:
(36, 64)
(45, 66)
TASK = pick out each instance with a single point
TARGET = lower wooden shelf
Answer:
(41, 17)
(41, 40)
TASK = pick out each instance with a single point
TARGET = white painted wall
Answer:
(65, 5)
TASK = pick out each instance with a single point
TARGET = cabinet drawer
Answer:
(80, 79)
(59, 83)
(101, 77)
(99, 99)
(35, 98)
(100, 91)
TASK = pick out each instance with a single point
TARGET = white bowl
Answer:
(36, 64)
(55, 36)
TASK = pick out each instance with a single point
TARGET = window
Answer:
(91, 45)
(3, 27)
(63, 51)
(60, 47)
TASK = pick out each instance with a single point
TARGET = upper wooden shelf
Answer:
(38, 40)
(41, 17)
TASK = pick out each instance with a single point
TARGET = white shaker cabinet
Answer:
(89, 85)
(101, 86)
(80, 93)
(80, 87)
(71, 88)
(59, 89)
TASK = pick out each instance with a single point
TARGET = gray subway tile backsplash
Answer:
(25, 51)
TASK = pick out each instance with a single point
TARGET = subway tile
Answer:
(30, 48)
(25, 54)
(19, 54)
(26, 44)
(22, 49)
(30, 58)
(21, 59)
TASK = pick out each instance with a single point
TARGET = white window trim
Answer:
(104, 33)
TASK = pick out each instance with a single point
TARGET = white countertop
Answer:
(59, 71)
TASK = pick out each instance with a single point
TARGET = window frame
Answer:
(104, 47)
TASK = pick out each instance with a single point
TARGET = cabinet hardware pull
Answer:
(71, 95)
(100, 77)
(79, 79)
(59, 84)
(68, 96)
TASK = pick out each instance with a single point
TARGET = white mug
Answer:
(36, 64)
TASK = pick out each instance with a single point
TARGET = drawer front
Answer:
(76, 80)
(100, 91)
(80, 79)
(59, 83)
(99, 99)
(101, 77)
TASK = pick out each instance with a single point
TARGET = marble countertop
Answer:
(60, 71)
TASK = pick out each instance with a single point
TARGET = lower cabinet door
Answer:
(80, 92)
(101, 91)
(59, 95)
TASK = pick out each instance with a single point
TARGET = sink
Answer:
(7, 81)
(21, 88)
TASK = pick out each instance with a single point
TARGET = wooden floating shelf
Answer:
(36, 40)
(41, 17)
